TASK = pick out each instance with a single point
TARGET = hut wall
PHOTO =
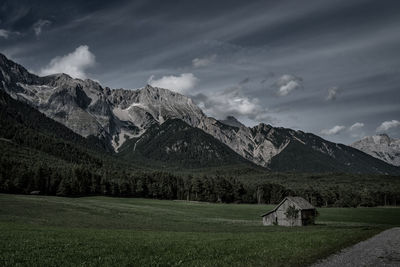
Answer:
(269, 219)
(282, 218)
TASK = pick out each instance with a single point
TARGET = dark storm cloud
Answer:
(251, 46)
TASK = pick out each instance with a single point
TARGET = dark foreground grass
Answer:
(93, 231)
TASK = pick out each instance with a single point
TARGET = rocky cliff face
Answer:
(380, 146)
(89, 109)
(116, 115)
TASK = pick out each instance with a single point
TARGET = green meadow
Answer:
(105, 231)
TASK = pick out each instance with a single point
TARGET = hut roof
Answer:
(300, 202)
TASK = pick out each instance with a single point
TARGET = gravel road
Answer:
(380, 250)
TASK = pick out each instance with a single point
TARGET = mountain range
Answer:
(158, 125)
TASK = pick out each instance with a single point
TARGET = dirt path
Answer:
(380, 250)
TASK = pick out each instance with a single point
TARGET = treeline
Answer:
(82, 181)
(336, 196)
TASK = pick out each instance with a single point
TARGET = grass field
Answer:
(93, 231)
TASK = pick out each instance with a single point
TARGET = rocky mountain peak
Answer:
(59, 79)
(165, 96)
(382, 139)
(11, 73)
(380, 146)
(61, 76)
(263, 128)
(3, 60)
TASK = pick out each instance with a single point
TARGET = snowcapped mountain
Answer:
(381, 147)
(119, 115)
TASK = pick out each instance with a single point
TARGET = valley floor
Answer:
(93, 231)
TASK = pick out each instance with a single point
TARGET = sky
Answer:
(329, 67)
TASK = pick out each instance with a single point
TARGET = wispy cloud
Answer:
(4, 33)
(334, 130)
(39, 25)
(356, 126)
(288, 83)
(332, 93)
(75, 63)
(232, 101)
(181, 84)
(386, 125)
(205, 61)
(356, 131)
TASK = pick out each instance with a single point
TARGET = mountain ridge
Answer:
(117, 115)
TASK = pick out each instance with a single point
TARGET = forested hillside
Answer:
(175, 143)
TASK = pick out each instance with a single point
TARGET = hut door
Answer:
(276, 220)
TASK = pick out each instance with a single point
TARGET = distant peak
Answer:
(231, 121)
(6, 61)
(231, 118)
(61, 76)
(377, 139)
(264, 125)
(383, 138)
(152, 88)
(16, 71)
(158, 90)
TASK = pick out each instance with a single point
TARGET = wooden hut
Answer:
(291, 211)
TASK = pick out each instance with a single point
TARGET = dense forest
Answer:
(41, 156)
(77, 180)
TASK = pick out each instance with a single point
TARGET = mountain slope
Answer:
(178, 144)
(40, 154)
(24, 126)
(298, 157)
(381, 147)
